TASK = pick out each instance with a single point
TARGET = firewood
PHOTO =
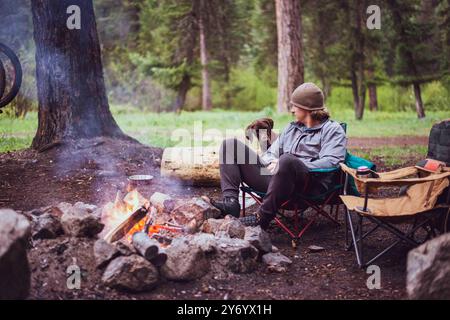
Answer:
(125, 226)
(145, 245)
(159, 259)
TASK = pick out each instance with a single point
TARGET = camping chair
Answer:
(418, 206)
(300, 202)
(317, 202)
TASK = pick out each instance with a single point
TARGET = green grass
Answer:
(157, 129)
(393, 156)
(162, 129)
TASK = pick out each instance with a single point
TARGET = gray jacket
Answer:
(323, 146)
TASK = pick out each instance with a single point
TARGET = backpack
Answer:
(439, 142)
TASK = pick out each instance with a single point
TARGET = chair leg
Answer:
(243, 203)
(354, 240)
(358, 236)
(296, 220)
(360, 244)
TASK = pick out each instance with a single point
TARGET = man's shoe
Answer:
(257, 219)
(250, 221)
(229, 205)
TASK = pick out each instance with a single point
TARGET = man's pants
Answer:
(238, 163)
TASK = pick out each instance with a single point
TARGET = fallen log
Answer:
(192, 165)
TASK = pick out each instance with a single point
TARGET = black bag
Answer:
(439, 142)
(439, 149)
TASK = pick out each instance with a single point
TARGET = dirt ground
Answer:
(92, 171)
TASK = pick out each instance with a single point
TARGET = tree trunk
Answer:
(326, 85)
(290, 50)
(354, 88)
(419, 104)
(358, 62)
(69, 76)
(371, 86)
(183, 89)
(206, 91)
(373, 99)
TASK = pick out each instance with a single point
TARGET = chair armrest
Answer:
(395, 177)
(324, 170)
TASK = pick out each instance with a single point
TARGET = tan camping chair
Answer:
(418, 205)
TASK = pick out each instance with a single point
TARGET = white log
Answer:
(192, 165)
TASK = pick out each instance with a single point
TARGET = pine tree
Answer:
(417, 47)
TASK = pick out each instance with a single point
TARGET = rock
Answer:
(104, 252)
(14, 267)
(132, 273)
(259, 238)
(46, 226)
(233, 227)
(276, 268)
(185, 261)
(125, 248)
(226, 254)
(276, 262)
(211, 225)
(191, 227)
(196, 208)
(82, 220)
(89, 208)
(205, 241)
(162, 202)
(276, 259)
(235, 255)
(229, 226)
(314, 249)
(428, 270)
(275, 249)
(64, 207)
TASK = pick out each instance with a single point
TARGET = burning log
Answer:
(145, 245)
(125, 226)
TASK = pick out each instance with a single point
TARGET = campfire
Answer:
(144, 223)
(140, 240)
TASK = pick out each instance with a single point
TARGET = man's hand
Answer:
(272, 167)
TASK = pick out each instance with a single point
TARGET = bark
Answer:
(326, 85)
(419, 104)
(373, 99)
(290, 50)
(371, 86)
(358, 65)
(183, 89)
(206, 90)
(70, 84)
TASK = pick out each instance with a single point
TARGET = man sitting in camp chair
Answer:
(312, 141)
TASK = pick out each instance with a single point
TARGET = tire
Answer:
(6, 99)
(2, 79)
